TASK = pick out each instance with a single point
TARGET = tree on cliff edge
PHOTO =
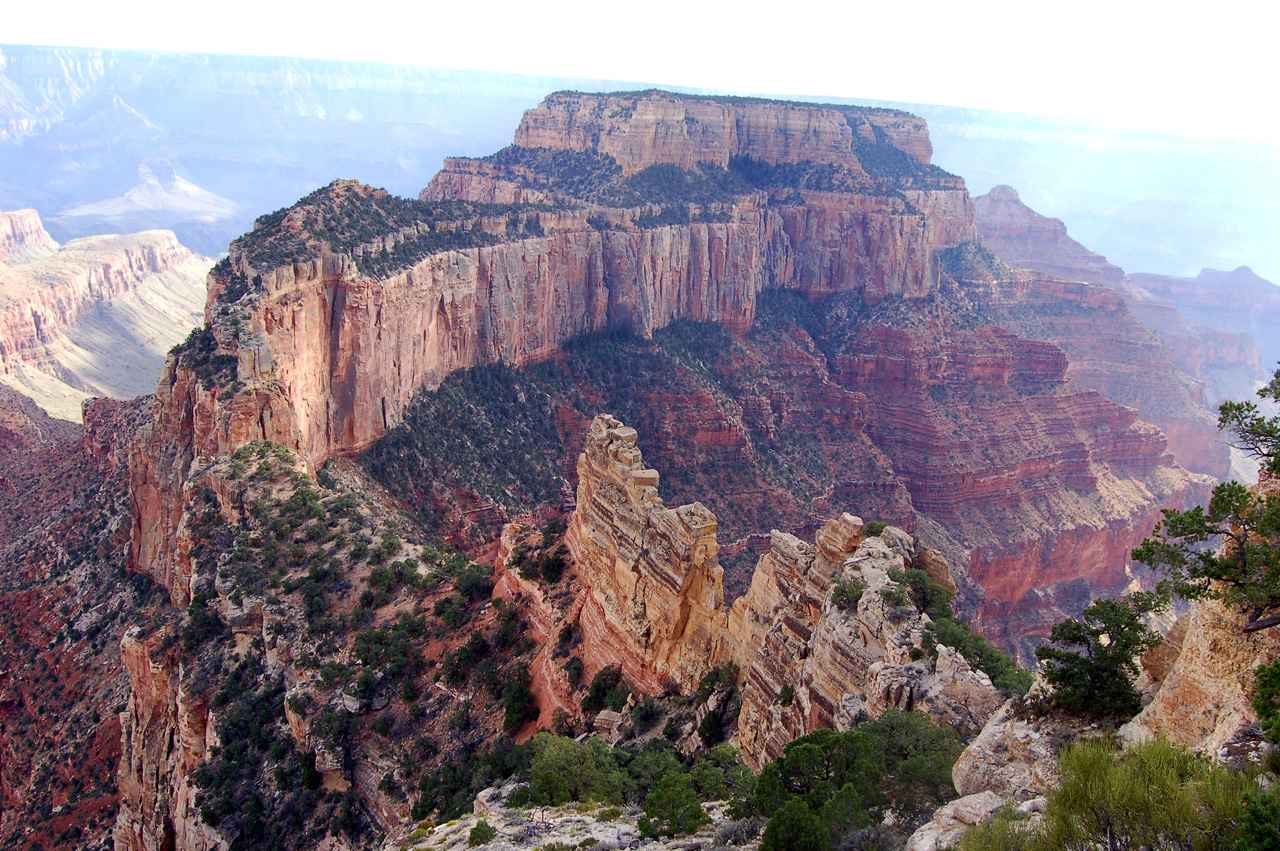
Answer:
(1231, 549)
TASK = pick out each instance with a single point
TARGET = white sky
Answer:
(1203, 70)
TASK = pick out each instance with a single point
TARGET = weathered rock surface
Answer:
(165, 738)
(1205, 698)
(654, 606)
(655, 597)
(950, 821)
(1014, 757)
(844, 662)
(640, 129)
(1172, 376)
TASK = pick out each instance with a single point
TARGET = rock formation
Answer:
(23, 237)
(327, 319)
(654, 607)
(845, 658)
(94, 317)
(655, 599)
(1024, 238)
(1204, 694)
(1214, 298)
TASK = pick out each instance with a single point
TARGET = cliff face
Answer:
(328, 356)
(1024, 238)
(654, 606)
(655, 601)
(94, 317)
(1122, 340)
(23, 237)
(641, 129)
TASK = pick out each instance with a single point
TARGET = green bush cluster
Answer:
(1151, 795)
(608, 690)
(899, 762)
(346, 220)
(1097, 678)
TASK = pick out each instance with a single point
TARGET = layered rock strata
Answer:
(654, 607)
(23, 237)
(1024, 238)
(1174, 370)
(328, 357)
(655, 598)
(94, 317)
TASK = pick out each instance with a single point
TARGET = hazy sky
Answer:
(1152, 65)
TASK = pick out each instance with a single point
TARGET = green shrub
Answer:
(564, 770)
(672, 808)
(1151, 795)
(1097, 679)
(1266, 701)
(481, 833)
(847, 592)
(608, 690)
(795, 827)
(873, 528)
(899, 761)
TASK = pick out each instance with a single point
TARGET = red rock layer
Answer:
(653, 605)
(1169, 375)
(1024, 238)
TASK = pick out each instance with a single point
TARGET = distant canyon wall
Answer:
(93, 317)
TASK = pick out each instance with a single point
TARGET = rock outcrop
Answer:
(641, 129)
(1205, 699)
(654, 604)
(165, 739)
(845, 656)
(1025, 239)
(94, 317)
(654, 607)
(1214, 298)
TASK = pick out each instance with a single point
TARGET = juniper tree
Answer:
(1231, 549)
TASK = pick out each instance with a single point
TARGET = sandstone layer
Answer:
(655, 600)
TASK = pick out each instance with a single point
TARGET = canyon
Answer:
(94, 317)
(1181, 357)
(786, 304)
